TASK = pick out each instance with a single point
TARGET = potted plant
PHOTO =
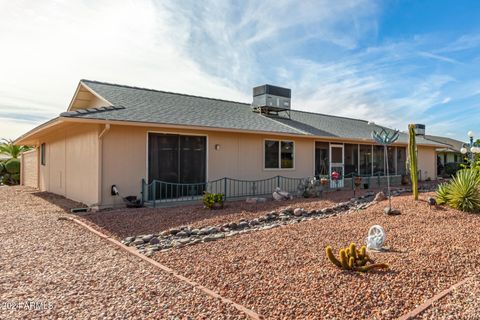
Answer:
(357, 181)
(336, 177)
(323, 181)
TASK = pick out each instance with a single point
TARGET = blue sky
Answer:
(392, 62)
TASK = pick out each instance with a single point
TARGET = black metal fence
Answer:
(158, 192)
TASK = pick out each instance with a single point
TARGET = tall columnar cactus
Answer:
(353, 259)
(412, 159)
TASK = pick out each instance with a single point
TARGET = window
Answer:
(365, 160)
(351, 159)
(279, 154)
(42, 154)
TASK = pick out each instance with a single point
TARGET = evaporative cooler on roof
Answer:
(268, 99)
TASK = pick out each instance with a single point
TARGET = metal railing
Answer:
(166, 192)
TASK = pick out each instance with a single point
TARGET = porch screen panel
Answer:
(401, 161)
(163, 157)
(378, 161)
(192, 159)
(365, 160)
(322, 162)
(391, 160)
(337, 155)
(351, 159)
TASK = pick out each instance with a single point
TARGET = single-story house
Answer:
(448, 156)
(120, 135)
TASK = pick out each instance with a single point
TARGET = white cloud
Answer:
(446, 100)
(47, 47)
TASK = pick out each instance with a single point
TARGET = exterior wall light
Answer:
(217, 147)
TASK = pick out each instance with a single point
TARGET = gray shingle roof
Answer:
(453, 145)
(153, 106)
(145, 105)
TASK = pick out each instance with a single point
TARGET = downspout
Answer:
(105, 130)
(100, 162)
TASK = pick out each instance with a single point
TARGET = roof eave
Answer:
(26, 138)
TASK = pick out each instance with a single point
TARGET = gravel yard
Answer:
(122, 223)
(283, 272)
(463, 303)
(71, 273)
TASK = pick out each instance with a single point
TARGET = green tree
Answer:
(7, 147)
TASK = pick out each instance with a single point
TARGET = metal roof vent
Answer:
(419, 129)
(268, 99)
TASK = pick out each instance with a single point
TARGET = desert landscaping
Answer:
(278, 273)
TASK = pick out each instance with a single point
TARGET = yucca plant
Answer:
(463, 191)
(443, 193)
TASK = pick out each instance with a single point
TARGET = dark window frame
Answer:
(281, 159)
(43, 148)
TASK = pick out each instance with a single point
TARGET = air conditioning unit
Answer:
(419, 129)
(271, 97)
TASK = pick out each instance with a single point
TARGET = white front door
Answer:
(336, 165)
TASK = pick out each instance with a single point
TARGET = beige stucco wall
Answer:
(124, 158)
(72, 159)
(29, 169)
(83, 167)
(427, 162)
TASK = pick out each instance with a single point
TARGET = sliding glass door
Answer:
(176, 159)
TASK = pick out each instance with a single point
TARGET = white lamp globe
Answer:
(475, 149)
(471, 134)
(463, 150)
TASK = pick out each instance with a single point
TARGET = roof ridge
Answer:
(162, 91)
(329, 115)
(449, 138)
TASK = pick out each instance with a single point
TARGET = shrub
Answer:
(451, 168)
(2, 168)
(463, 192)
(13, 166)
(213, 200)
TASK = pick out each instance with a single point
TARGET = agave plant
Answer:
(7, 147)
(463, 192)
(443, 191)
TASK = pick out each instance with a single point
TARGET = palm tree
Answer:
(7, 147)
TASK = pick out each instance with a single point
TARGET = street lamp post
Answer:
(470, 148)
